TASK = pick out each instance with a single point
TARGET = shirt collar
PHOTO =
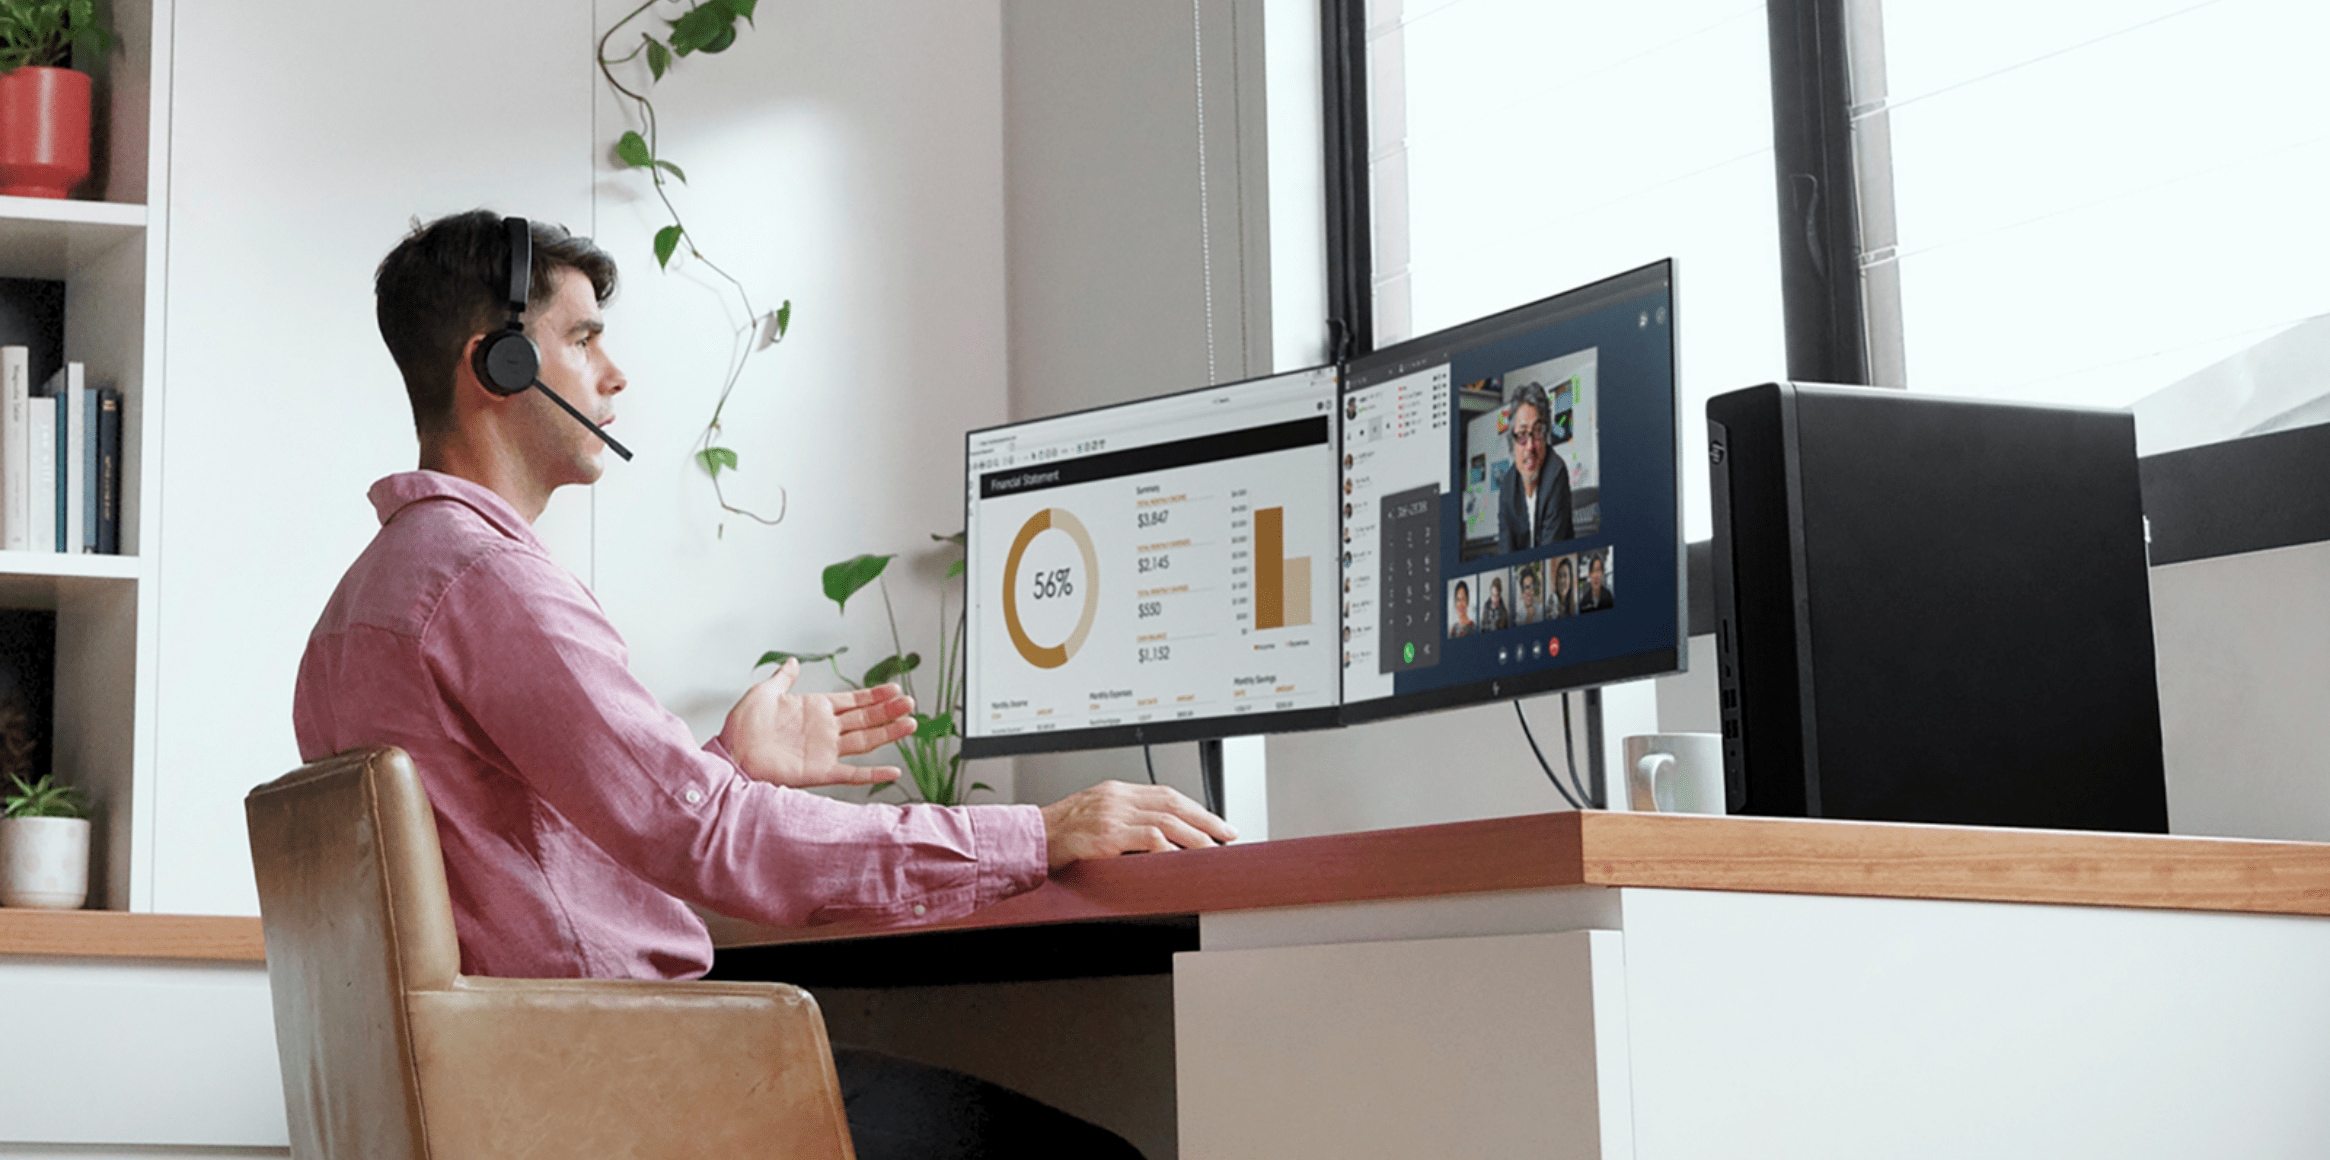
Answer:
(400, 491)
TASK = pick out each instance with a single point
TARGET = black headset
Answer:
(506, 361)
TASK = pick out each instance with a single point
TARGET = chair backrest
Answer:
(352, 897)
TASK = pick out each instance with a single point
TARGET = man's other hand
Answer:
(799, 739)
(1116, 817)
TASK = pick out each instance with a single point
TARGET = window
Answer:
(2107, 204)
(1518, 148)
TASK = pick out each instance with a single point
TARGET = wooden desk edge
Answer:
(1761, 855)
(114, 934)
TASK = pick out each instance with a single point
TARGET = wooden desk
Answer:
(1128, 915)
(1669, 987)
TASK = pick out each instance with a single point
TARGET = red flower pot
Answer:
(44, 131)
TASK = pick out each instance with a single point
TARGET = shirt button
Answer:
(693, 796)
(920, 908)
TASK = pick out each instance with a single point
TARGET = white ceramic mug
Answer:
(1675, 773)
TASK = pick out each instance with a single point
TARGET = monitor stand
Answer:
(1238, 782)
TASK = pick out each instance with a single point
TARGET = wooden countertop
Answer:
(114, 934)
(1773, 855)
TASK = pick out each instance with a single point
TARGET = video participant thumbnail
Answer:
(1531, 470)
(1529, 593)
(1596, 590)
(1460, 597)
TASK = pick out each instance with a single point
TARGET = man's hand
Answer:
(799, 739)
(1115, 817)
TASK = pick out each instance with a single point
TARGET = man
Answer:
(577, 816)
(1532, 598)
(1595, 595)
(1494, 616)
(1533, 496)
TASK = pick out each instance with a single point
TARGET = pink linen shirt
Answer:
(577, 815)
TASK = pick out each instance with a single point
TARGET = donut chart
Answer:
(1055, 655)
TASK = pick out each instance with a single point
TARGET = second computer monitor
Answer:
(1512, 503)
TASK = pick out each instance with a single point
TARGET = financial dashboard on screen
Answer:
(1157, 571)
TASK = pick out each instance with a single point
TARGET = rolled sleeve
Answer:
(527, 654)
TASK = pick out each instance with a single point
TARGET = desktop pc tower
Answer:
(1932, 610)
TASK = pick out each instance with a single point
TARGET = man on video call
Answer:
(1533, 498)
(578, 817)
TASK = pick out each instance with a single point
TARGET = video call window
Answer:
(1531, 470)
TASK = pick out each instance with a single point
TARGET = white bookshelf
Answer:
(106, 247)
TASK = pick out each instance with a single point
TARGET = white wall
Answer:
(294, 167)
(848, 156)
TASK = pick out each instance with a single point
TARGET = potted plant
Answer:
(930, 754)
(44, 105)
(44, 845)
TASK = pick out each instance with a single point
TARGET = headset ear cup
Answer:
(506, 361)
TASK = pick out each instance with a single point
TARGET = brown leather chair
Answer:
(388, 1051)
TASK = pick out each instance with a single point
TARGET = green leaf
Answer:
(933, 727)
(721, 40)
(982, 785)
(714, 459)
(700, 27)
(658, 57)
(843, 580)
(891, 667)
(744, 8)
(675, 170)
(632, 149)
(784, 317)
(667, 240)
(780, 656)
(954, 568)
(958, 539)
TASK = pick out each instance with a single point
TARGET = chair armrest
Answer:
(514, 1068)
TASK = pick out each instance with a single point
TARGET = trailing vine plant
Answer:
(705, 26)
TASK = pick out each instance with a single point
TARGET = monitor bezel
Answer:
(1148, 732)
(1572, 303)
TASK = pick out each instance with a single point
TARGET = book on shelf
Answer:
(15, 448)
(60, 460)
(88, 456)
(41, 434)
(109, 471)
(75, 453)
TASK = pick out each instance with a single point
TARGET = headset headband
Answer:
(521, 264)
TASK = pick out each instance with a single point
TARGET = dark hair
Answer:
(1464, 591)
(1529, 395)
(446, 282)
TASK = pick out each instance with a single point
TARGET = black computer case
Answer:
(1932, 609)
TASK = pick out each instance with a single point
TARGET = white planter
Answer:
(44, 863)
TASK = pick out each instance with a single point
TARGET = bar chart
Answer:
(1282, 583)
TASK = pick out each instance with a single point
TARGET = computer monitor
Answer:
(1513, 504)
(1157, 571)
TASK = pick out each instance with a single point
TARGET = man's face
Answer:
(575, 364)
(1528, 442)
